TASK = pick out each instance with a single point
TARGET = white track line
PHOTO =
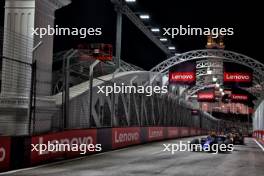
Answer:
(259, 144)
(60, 162)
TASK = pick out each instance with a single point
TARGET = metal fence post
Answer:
(32, 99)
(32, 96)
(66, 92)
(91, 86)
(113, 120)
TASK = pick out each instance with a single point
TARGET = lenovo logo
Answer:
(237, 77)
(182, 76)
(206, 96)
(173, 132)
(2, 154)
(155, 133)
(184, 132)
(126, 137)
(60, 145)
(239, 97)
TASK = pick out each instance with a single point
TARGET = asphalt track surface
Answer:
(149, 159)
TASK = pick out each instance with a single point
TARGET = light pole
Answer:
(33, 91)
(118, 48)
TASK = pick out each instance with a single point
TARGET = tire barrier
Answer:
(259, 135)
(20, 152)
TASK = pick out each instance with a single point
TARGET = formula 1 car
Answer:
(238, 138)
(212, 143)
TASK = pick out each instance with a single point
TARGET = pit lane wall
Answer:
(259, 135)
(16, 152)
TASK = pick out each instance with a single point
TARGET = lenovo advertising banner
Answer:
(185, 131)
(122, 137)
(155, 133)
(184, 73)
(193, 131)
(206, 96)
(63, 144)
(239, 97)
(182, 77)
(237, 75)
(5, 147)
(173, 132)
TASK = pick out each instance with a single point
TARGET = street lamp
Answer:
(155, 29)
(209, 72)
(163, 39)
(144, 16)
(171, 48)
(214, 79)
(129, 1)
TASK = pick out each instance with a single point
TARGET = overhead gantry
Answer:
(226, 56)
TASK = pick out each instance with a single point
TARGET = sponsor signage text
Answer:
(239, 97)
(182, 77)
(204, 96)
(155, 133)
(125, 136)
(237, 77)
(69, 138)
(173, 132)
(184, 131)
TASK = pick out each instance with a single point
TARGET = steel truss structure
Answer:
(227, 56)
(128, 109)
(202, 68)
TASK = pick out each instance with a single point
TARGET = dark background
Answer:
(245, 17)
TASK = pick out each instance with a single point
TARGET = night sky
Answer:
(245, 17)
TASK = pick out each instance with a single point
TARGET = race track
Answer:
(149, 159)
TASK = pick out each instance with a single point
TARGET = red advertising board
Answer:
(206, 96)
(66, 144)
(5, 145)
(155, 133)
(237, 77)
(193, 131)
(182, 77)
(173, 132)
(199, 131)
(122, 137)
(184, 131)
(239, 97)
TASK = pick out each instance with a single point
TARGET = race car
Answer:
(212, 143)
(238, 138)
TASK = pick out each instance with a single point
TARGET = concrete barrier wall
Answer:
(18, 152)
